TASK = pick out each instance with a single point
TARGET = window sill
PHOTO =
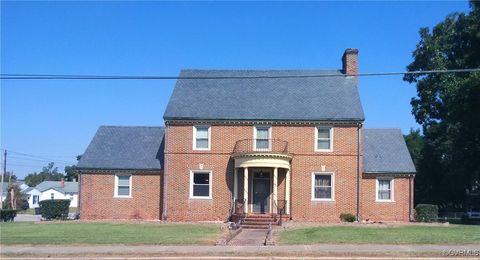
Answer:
(323, 200)
(122, 197)
(202, 149)
(323, 151)
(200, 198)
(385, 201)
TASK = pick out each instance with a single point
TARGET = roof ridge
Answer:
(264, 71)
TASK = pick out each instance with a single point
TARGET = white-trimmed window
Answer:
(52, 196)
(200, 184)
(201, 137)
(323, 186)
(262, 136)
(123, 186)
(323, 139)
(384, 189)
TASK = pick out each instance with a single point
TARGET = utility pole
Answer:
(3, 174)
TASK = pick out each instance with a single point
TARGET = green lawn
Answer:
(105, 233)
(453, 234)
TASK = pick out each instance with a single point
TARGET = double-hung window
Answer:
(200, 184)
(322, 186)
(323, 139)
(52, 196)
(201, 137)
(123, 186)
(262, 138)
(384, 189)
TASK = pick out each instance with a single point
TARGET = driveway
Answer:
(27, 218)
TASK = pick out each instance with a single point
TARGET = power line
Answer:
(39, 160)
(46, 159)
(25, 165)
(152, 77)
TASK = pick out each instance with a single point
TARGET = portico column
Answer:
(275, 184)
(235, 186)
(287, 193)
(245, 189)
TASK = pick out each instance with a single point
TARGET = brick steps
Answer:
(258, 221)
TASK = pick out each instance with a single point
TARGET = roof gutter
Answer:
(84, 169)
(269, 120)
(390, 172)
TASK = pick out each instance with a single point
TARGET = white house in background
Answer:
(48, 190)
(33, 196)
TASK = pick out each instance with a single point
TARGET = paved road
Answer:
(250, 237)
(246, 251)
(27, 217)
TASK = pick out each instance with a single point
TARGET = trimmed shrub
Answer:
(54, 209)
(426, 213)
(347, 217)
(7, 214)
(25, 204)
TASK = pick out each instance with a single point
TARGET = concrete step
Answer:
(255, 226)
(259, 219)
(260, 216)
(258, 223)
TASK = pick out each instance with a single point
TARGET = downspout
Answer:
(358, 171)
(165, 174)
(410, 198)
(79, 209)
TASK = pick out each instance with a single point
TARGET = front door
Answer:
(261, 191)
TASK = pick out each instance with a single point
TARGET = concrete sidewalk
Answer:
(250, 237)
(348, 250)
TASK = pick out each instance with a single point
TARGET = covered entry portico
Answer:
(259, 175)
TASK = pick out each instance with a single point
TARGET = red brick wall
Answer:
(97, 197)
(397, 210)
(97, 200)
(342, 162)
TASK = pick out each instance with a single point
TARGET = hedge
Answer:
(426, 213)
(54, 209)
(347, 217)
(7, 214)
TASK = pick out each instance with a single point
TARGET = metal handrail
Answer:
(261, 145)
(280, 210)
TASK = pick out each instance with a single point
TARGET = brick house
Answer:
(242, 143)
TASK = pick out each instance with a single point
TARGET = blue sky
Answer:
(55, 120)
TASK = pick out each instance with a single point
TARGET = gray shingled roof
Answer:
(70, 186)
(126, 148)
(301, 98)
(385, 151)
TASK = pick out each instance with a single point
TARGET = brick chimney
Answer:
(350, 62)
(62, 183)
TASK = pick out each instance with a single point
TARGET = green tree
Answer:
(15, 198)
(48, 173)
(448, 107)
(415, 144)
(10, 176)
(71, 171)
